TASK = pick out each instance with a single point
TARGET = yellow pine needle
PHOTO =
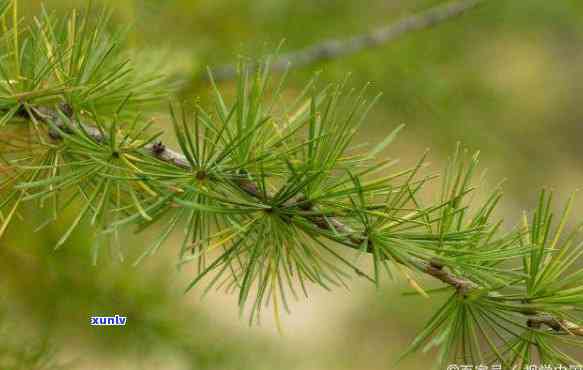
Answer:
(221, 241)
(301, 110)
(412, 282)
(139, 207)
(40, 92)
(4, 25)
(142, 185)
(402, 219)
(50, 53)
(274, 290)
(346, 158)
(137, 204)
(71, 33)
(175, 189)
(277, 128)
(54, 171)
(10, 215)
(563, 221)
(16, 43)
(525, 239)
(232, 234)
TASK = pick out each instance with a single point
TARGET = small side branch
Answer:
(335, 48)
(462, 285)
(556, 324)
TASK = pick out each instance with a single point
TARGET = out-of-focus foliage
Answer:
(21, 353)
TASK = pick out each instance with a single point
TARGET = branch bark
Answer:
(336, 48)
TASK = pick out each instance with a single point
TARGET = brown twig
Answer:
(335, 48)
(555, 324)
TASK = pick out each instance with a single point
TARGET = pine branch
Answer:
(337, 48)
(464, 287)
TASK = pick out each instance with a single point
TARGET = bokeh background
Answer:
(504, 78)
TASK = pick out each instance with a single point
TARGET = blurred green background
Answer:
(504, 78)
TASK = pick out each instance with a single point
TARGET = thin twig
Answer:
(336, 48)
(555, 324)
